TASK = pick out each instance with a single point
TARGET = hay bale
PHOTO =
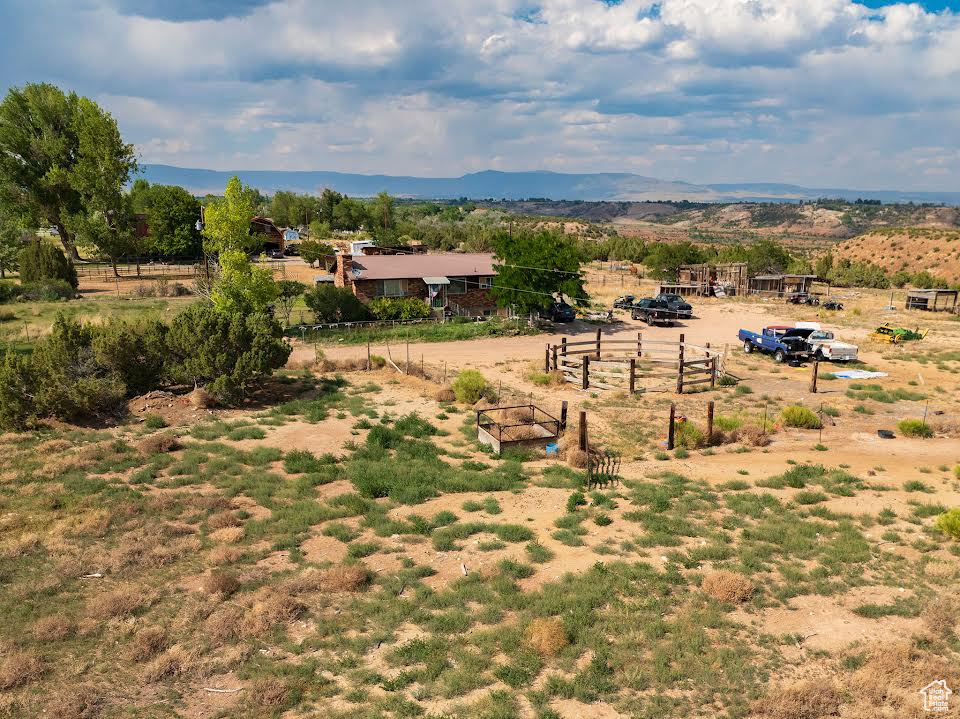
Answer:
(444, 394)
(546, 635)
(200, 398)
(727, 586)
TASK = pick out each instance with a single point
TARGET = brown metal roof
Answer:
(396, 267)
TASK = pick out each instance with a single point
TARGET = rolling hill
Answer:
(612, 186)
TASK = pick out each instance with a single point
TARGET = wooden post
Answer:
(633, 374)
(639, 344)
(709, 422)
(814, 372)
(563, 414)
(368, 356)
(408, 356)
(546, 361)
(586, 371)
(563, 348)
(680, 368)
(598, 343)
(555, 357)
(713, 372)
(670, 428)
(583, 431)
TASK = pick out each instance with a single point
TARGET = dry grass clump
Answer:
(222, 554)
(518, 414)
(19, 546)
(147, 643)
(546, 635)
(153, 547)
(751, 435)
(444, 394)
(120, 602)
(345, 578)
(173, 663)
(52, 628)
(269, 692)
(223, 625)
(727, 586)
(74, 702)
(886, 685)
(812, 699)
(157, 443)
(516, 434)
(940, 616)
(342, 365)
(220, 583)
(219, 520)
(19, 668)
(577, 458)
(227, 535)
(200, 398)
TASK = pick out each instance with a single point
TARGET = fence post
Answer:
(563, 348)
(586, 371)
(368, 356)
(639, 344)
(408, 357)
(713, 372)
(670, 428)
(709, 422)
(680, 368)
(546, 361)
(563, 414)
(815, 370)
(633, 374)
(583, 444)
(598, 343)
(555, 357)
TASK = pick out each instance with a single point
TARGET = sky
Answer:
(824, 93)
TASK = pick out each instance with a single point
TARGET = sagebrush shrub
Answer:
(914, 428)
(470, 387)
(949, 523)
(796, 415)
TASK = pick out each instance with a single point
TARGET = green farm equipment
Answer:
(895, 335)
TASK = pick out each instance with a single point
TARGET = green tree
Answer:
(382, 215)
(288, 291)
(61, 155)
(41, 261)
(824, 265)
(312, 250)
(228, 353)
(17, 386)
(329, 199)
(172, 215)
(289, 209)
(664, 258)
(227, 219)
(532, 269)
(11, 242)
(335, 304)
(242, 288)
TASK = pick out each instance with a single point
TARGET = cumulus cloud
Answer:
(813, 91)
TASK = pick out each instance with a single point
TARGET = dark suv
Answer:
(652, 311)
(559, 312)
(679, 307)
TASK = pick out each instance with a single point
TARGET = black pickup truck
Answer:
(680, 308)
(652, 311)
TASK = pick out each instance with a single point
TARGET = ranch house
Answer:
(460, 282)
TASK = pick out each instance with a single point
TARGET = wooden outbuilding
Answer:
(932, 300)
(782, 285)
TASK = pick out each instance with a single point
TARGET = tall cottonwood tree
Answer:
(61, 157)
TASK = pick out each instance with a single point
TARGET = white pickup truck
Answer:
(823, 346)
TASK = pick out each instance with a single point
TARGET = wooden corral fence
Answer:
(639, 365)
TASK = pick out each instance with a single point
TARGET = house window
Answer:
(486, 283)
(457, 286)
(391, 288)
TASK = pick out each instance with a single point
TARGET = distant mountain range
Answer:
(594, 187)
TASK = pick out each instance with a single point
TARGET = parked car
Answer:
(275, 254)
(624, 303)
(680, 308)
(802, 298)
(292, 250)
(832, 305)
(652, 311)
(783, 342)
(559, 312)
